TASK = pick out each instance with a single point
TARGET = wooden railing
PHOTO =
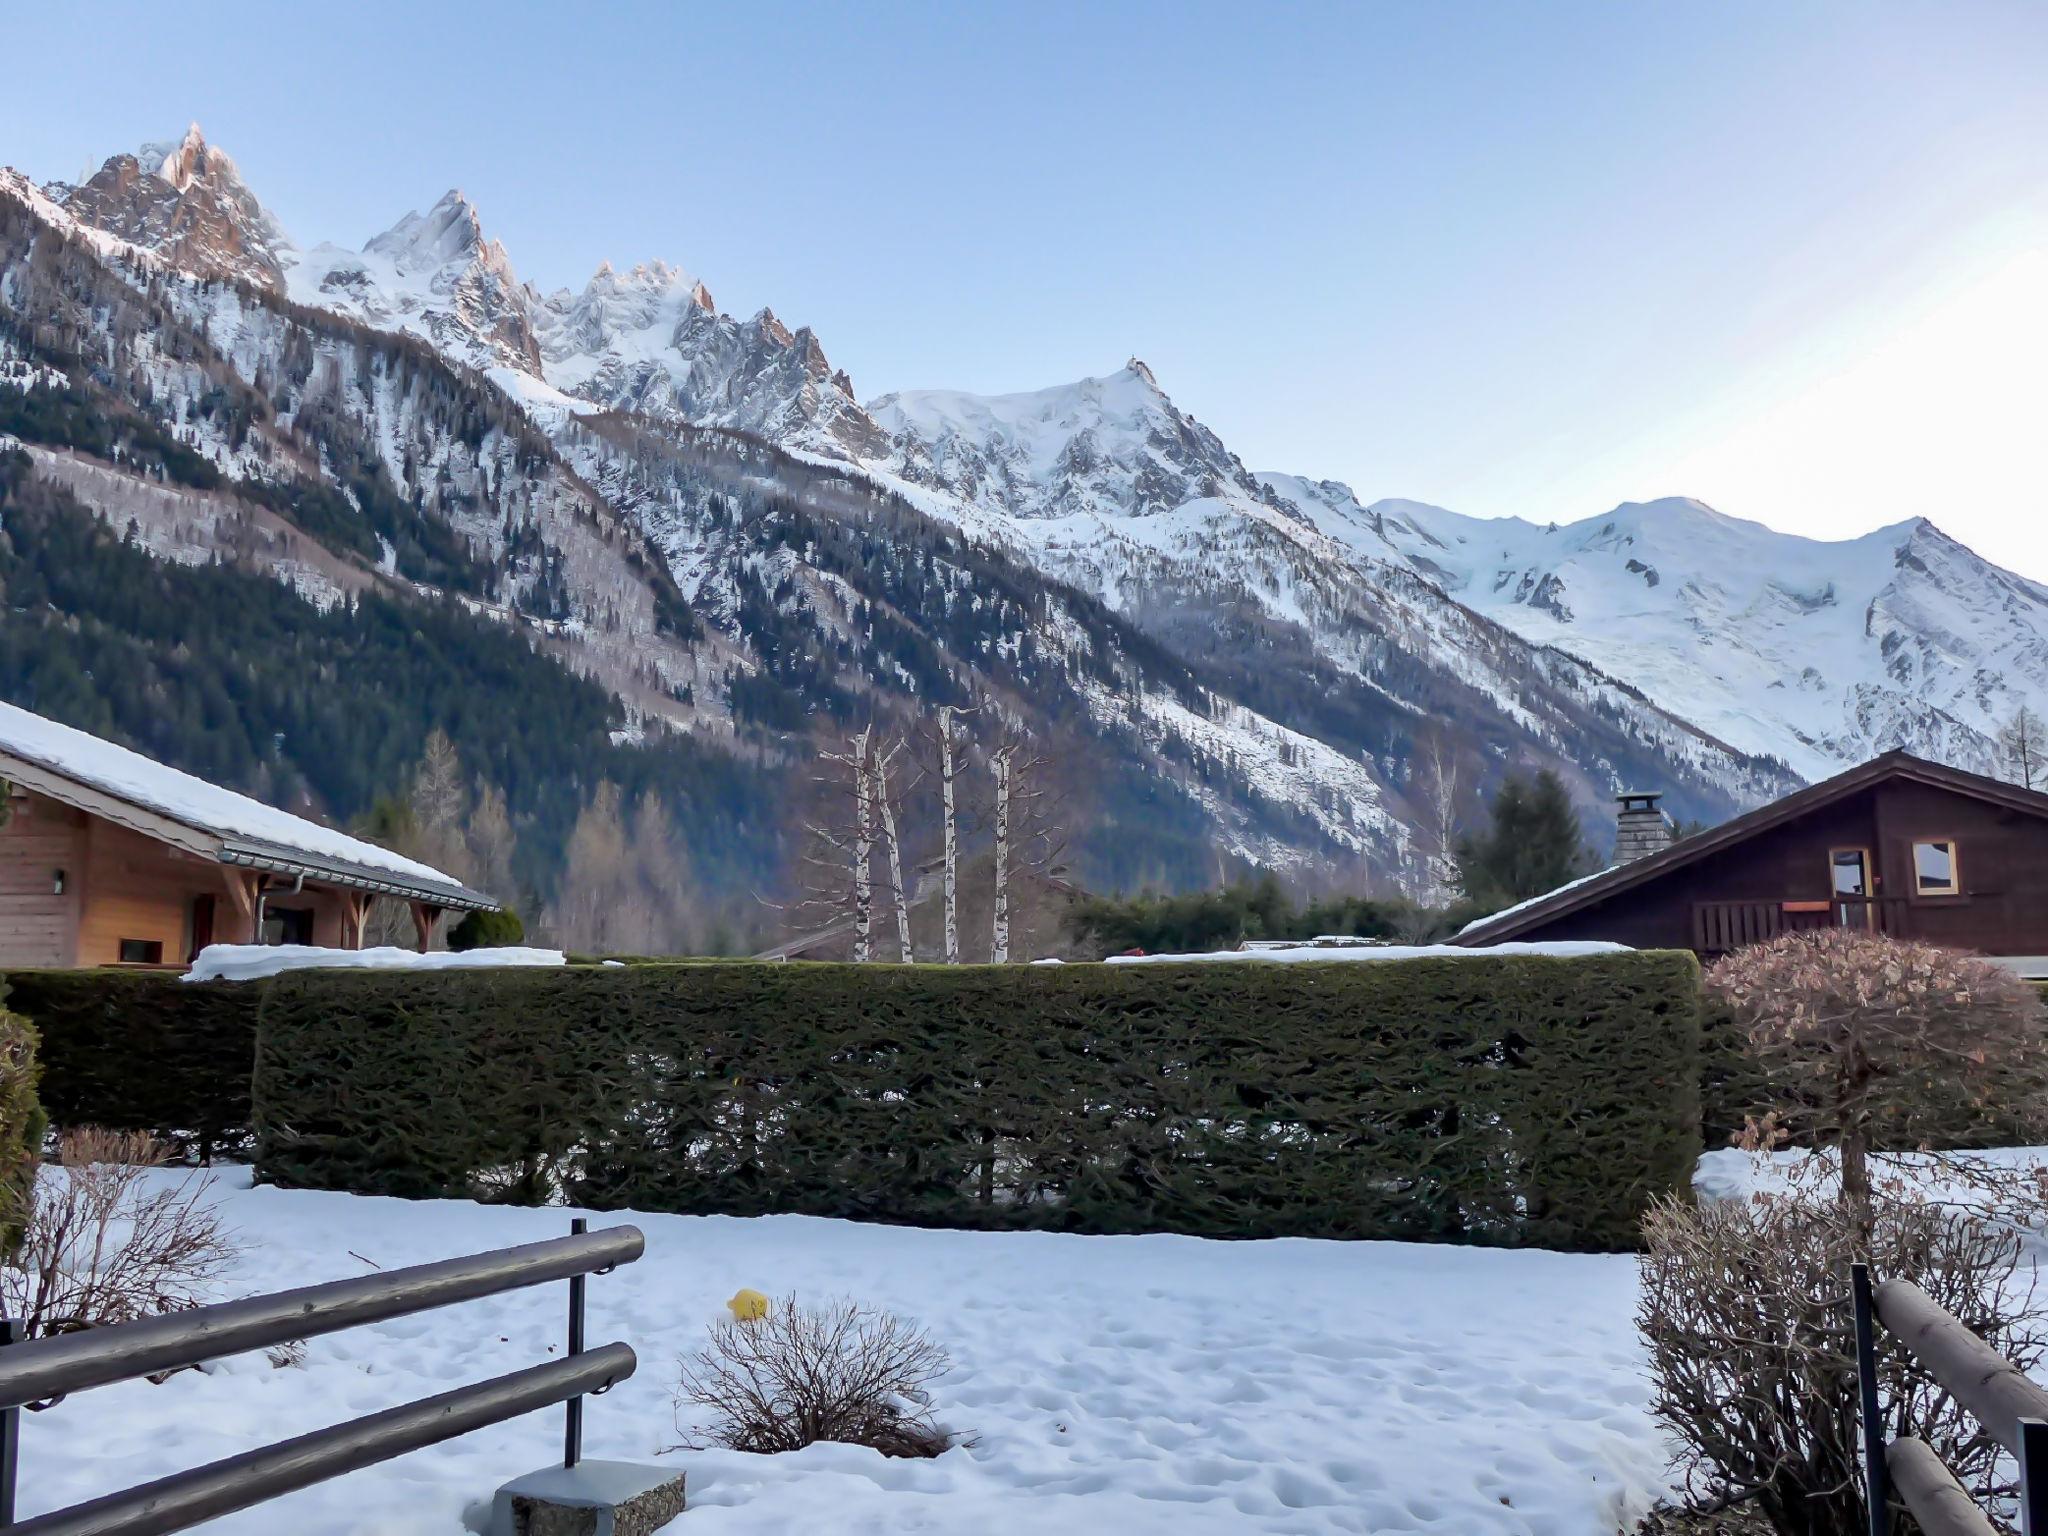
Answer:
(1719, 926)
(2012, 1410)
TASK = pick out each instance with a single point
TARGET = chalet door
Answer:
(202, 924)
(1850, 873)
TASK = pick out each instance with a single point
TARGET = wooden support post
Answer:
(243, 886)
(424, 916)
(355, 914)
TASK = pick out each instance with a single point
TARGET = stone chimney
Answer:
(1639, 826)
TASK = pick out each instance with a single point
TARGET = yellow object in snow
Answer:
(749, 1306)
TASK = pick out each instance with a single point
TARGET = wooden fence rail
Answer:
(2012, 1409)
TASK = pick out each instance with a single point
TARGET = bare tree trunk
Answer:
(1440, 788)
(952, 835)
(895, 853)
(999, 939)
(863, 849)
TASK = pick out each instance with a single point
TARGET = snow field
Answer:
(1128, 1384)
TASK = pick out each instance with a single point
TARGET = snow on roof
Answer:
(1317, 955)
(179, 796)
(1478, 923)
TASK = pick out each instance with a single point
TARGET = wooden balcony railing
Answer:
(1719, 926)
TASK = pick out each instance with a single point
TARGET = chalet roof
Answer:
(1590, 890)
(82, 770)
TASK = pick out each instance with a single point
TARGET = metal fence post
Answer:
(12, 1331)
(1875, 1493)
(2033, 1477)
(572, 1427)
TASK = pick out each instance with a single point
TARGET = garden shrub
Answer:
(1512, 1100)
(23, 1125)
(487, 930)
(796, 1375)
(144, 1051)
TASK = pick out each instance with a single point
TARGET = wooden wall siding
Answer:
(2002, 858)
(136, 888)
(37, 926)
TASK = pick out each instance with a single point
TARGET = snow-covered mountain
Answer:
(1821, 653)
(647, 340)
(1301, 645)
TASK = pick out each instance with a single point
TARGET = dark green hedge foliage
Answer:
(22, 1125)
(1499, 1100)
(144, 1051)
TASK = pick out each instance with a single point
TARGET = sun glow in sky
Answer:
(1512, 259)
(1935, 405)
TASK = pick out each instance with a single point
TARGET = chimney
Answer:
(1639, 827)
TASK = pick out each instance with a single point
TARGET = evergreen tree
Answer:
(1532, 843)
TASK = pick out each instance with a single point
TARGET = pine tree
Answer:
(1532, 843)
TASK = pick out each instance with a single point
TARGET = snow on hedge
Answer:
(143, 781)
(1316, 954)
(250, 962)
(1143, 1385)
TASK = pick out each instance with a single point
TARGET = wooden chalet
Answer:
(1898, 845)
(110, 858)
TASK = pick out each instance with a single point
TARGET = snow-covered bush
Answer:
(105, 1242)
(841, 1372)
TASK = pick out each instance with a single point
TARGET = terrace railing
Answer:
(40, 1371)
(1719, 926)
(1991, 1389)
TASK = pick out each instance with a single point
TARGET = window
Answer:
(142, 952)
(1851, 871)
(1935, 872)
(287, 925)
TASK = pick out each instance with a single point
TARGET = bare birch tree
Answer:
(1027, 834)
(950, 807)
(1441, 786)
(999, 937)
(838, 879)
(892, 849)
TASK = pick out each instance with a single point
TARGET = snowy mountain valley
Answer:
(694, 517)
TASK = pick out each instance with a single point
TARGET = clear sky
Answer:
(1517, 258)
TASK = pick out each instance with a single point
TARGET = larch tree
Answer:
(2023, 749)
(589, 904)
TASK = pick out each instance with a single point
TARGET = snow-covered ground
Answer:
(1126, 1384)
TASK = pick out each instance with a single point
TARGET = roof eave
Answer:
(247, 854)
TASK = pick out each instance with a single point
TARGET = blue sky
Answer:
(1514, 259)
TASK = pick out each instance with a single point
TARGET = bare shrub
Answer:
(1746, 1311)
(841, 1372)
(1870, 1043)
(102, 1244)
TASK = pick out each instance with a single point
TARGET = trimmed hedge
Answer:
(22, 1126)
(1517, 1100)
(144, 1051)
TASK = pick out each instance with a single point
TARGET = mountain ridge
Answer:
(1325, 639)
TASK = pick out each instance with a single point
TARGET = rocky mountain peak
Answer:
(184, 200)
(183, 161)
(451, 231)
